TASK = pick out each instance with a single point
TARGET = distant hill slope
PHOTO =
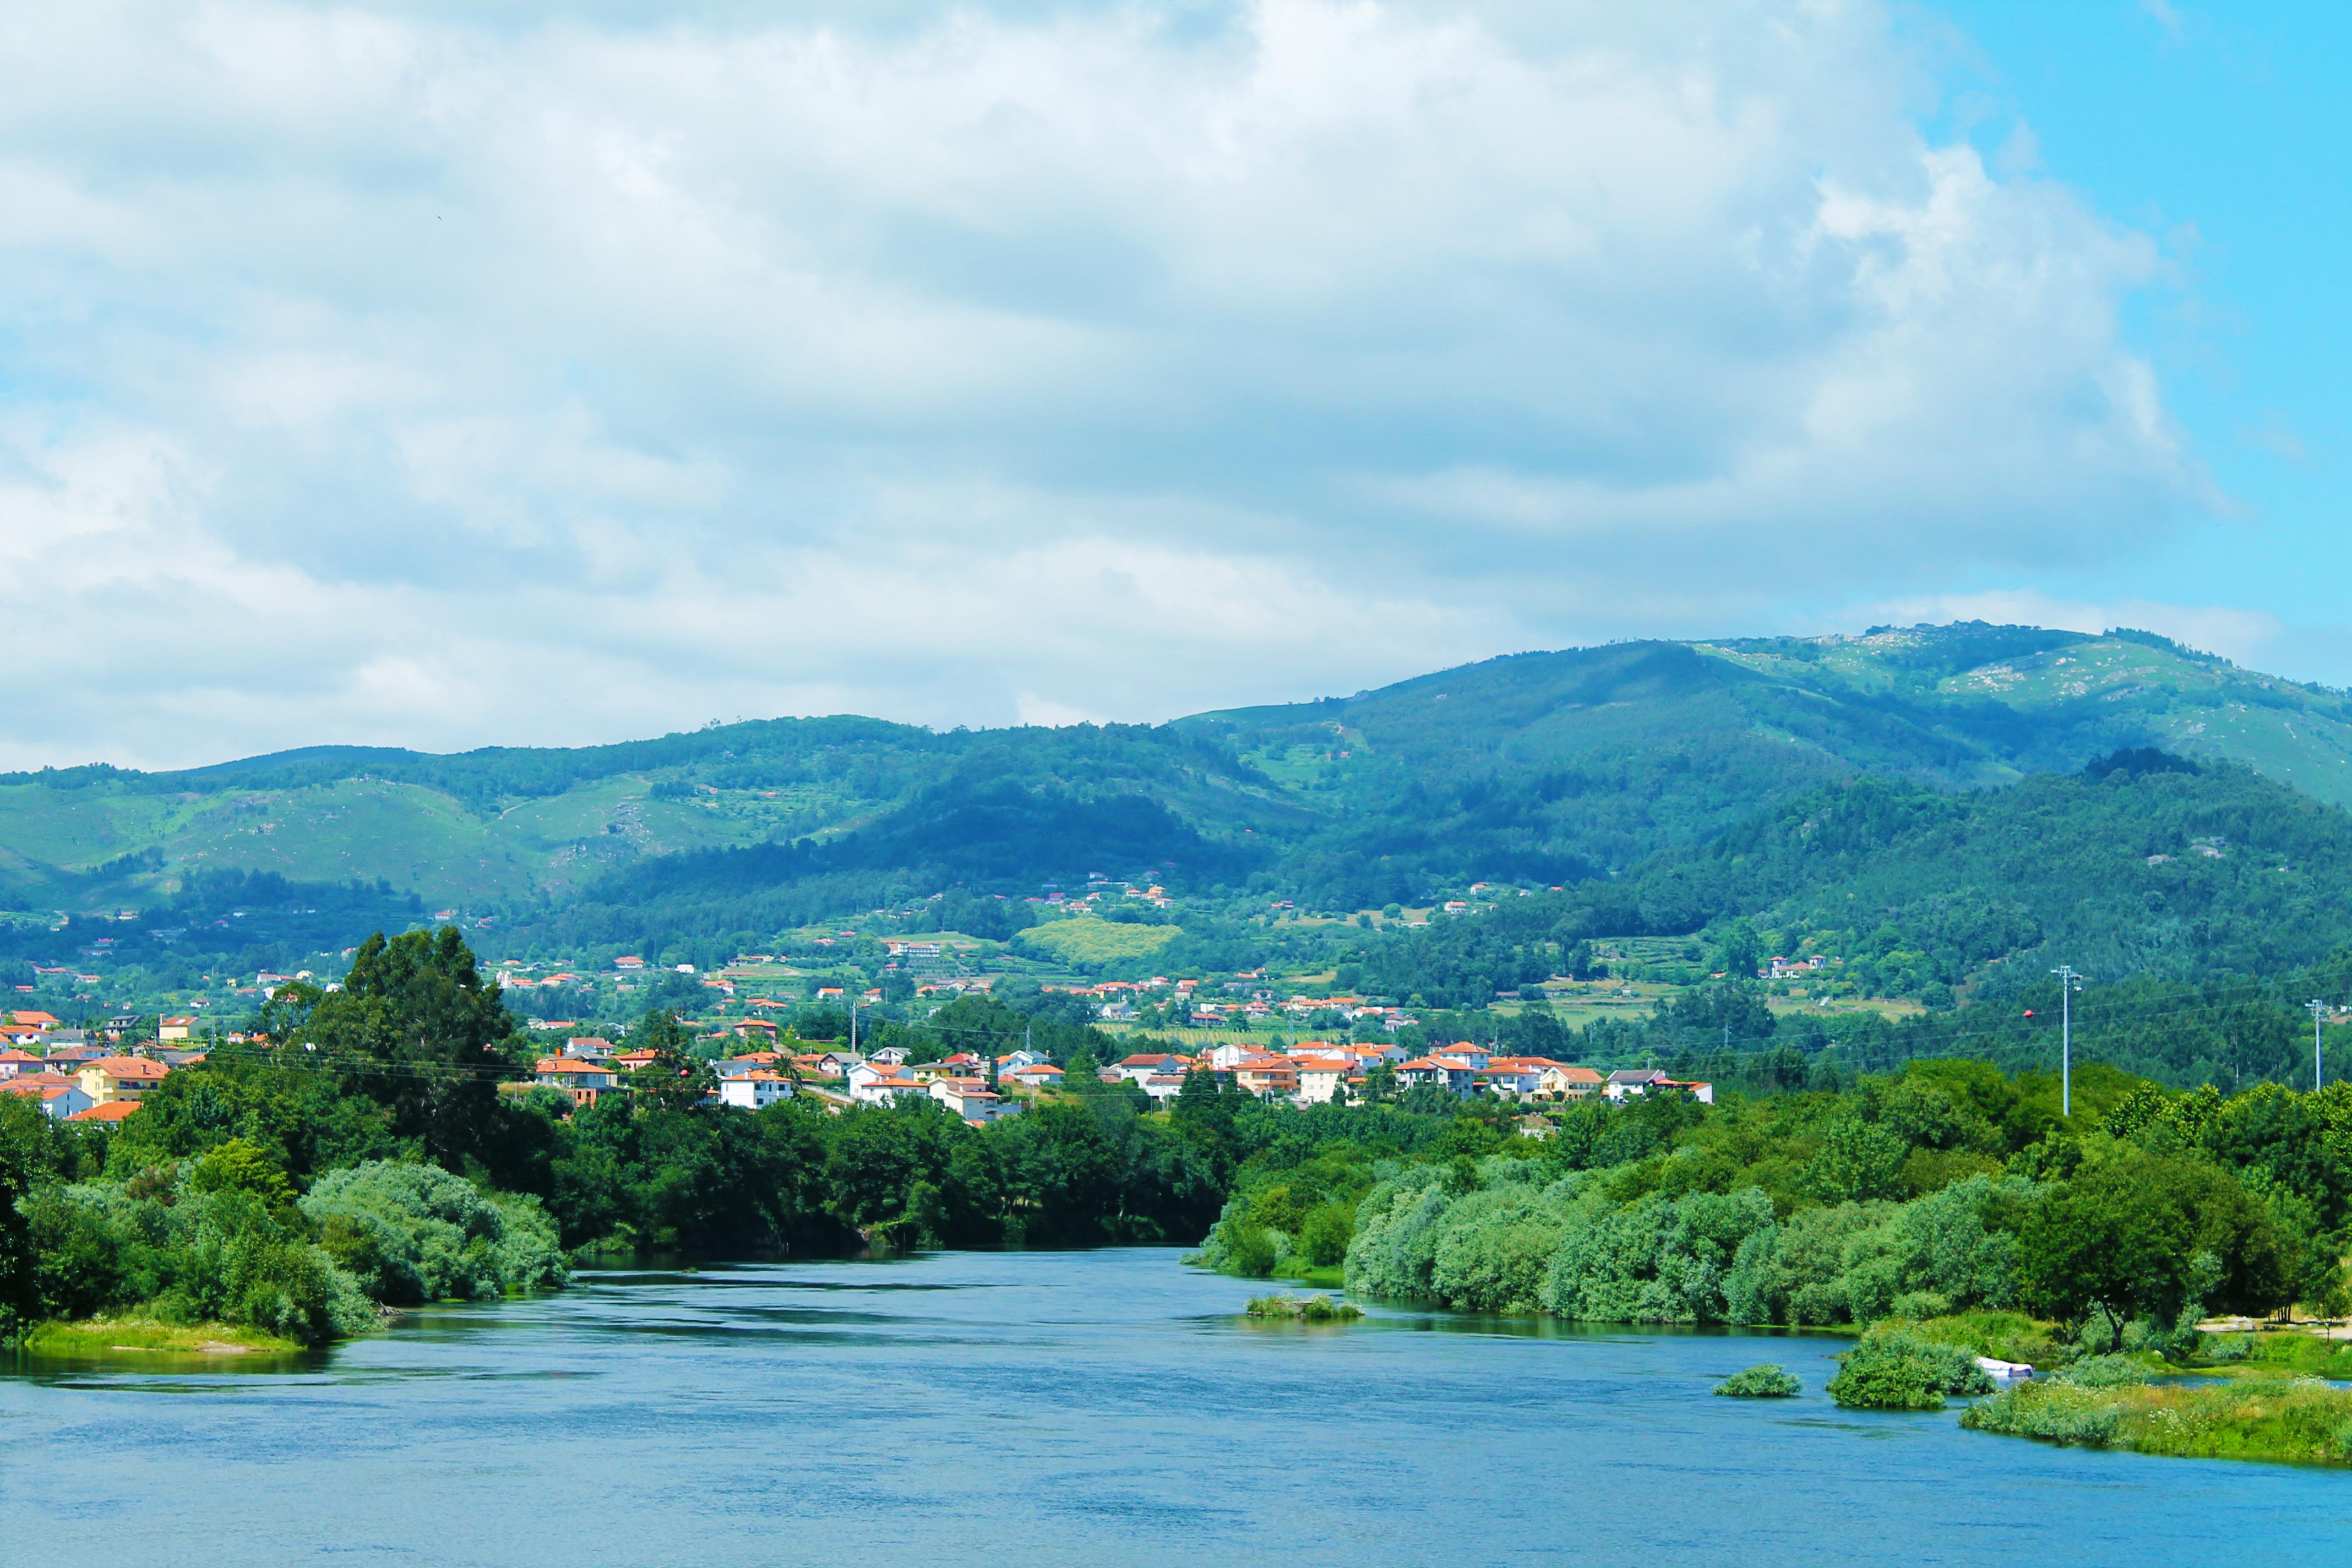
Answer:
(2144, 867)
(1551, 767)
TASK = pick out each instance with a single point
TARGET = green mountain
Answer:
(2145, 864)
(1548, 767)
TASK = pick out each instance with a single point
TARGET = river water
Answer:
(1097, 1409)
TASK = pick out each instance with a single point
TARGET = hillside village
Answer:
(78, 1078)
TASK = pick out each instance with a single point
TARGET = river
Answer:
(1096, 1409)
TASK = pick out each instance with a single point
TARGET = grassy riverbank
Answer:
(109, 1336)
(2294, 1420)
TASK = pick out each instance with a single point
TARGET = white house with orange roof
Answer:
(756, 1090)
(972, 1099)
(1320, 1078)
(15, 1060)
(1447, 1073)
(58, 1096)
(1228, 1056)
(1144, 1066)
(1516, 1078)
(871, 1083)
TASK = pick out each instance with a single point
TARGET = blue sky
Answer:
(408, 372)
(2221, 129)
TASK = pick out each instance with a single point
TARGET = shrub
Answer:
(1323, 1238)
(1249, 1250)
(1304, 1309)
(415, 1233)
(1396, 1234)
(237, 1165)
(1763, 1381)
(2054, 1412)
(1493, 1247)
(2103, 1372)
(1656, 1260)
(1898, 1370)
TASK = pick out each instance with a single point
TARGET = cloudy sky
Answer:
(449, 374)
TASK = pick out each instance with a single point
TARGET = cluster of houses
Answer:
(74, 1079)
(979, 1090)
(1246, 999)
(588, 1068)
(1314, 1073)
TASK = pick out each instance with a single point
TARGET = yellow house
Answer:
(111, 1079)
(175, 1029)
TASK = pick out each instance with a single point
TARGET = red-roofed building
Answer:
(1452, 1076)
(1321, 1078)
(111, 1079)
(1568, 1081)
(58, 1097)
(113, 1110)
(1267, 1077)
(756, 1090)
(585, 1081)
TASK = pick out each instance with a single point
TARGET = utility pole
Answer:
(2068, 984)
(2317, 1009)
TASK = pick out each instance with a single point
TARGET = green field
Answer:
(1089, 943)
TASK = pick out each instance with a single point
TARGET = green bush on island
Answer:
(107, 1336)
(1303, 1308)
(1765, 1380)
(1898, 1370)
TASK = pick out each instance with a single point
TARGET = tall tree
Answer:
(416, 1028)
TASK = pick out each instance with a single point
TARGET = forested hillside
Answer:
(1600, 765)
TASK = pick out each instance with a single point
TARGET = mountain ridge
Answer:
(1551, 766)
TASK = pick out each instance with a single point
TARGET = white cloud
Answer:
(445, 374)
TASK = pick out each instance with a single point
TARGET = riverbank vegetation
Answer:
(2299, 1420)
(1948, 1194)
(108, 1336)
(370, 1159)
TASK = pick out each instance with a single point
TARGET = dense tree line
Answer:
(1944, 1188)
(368, 1157)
